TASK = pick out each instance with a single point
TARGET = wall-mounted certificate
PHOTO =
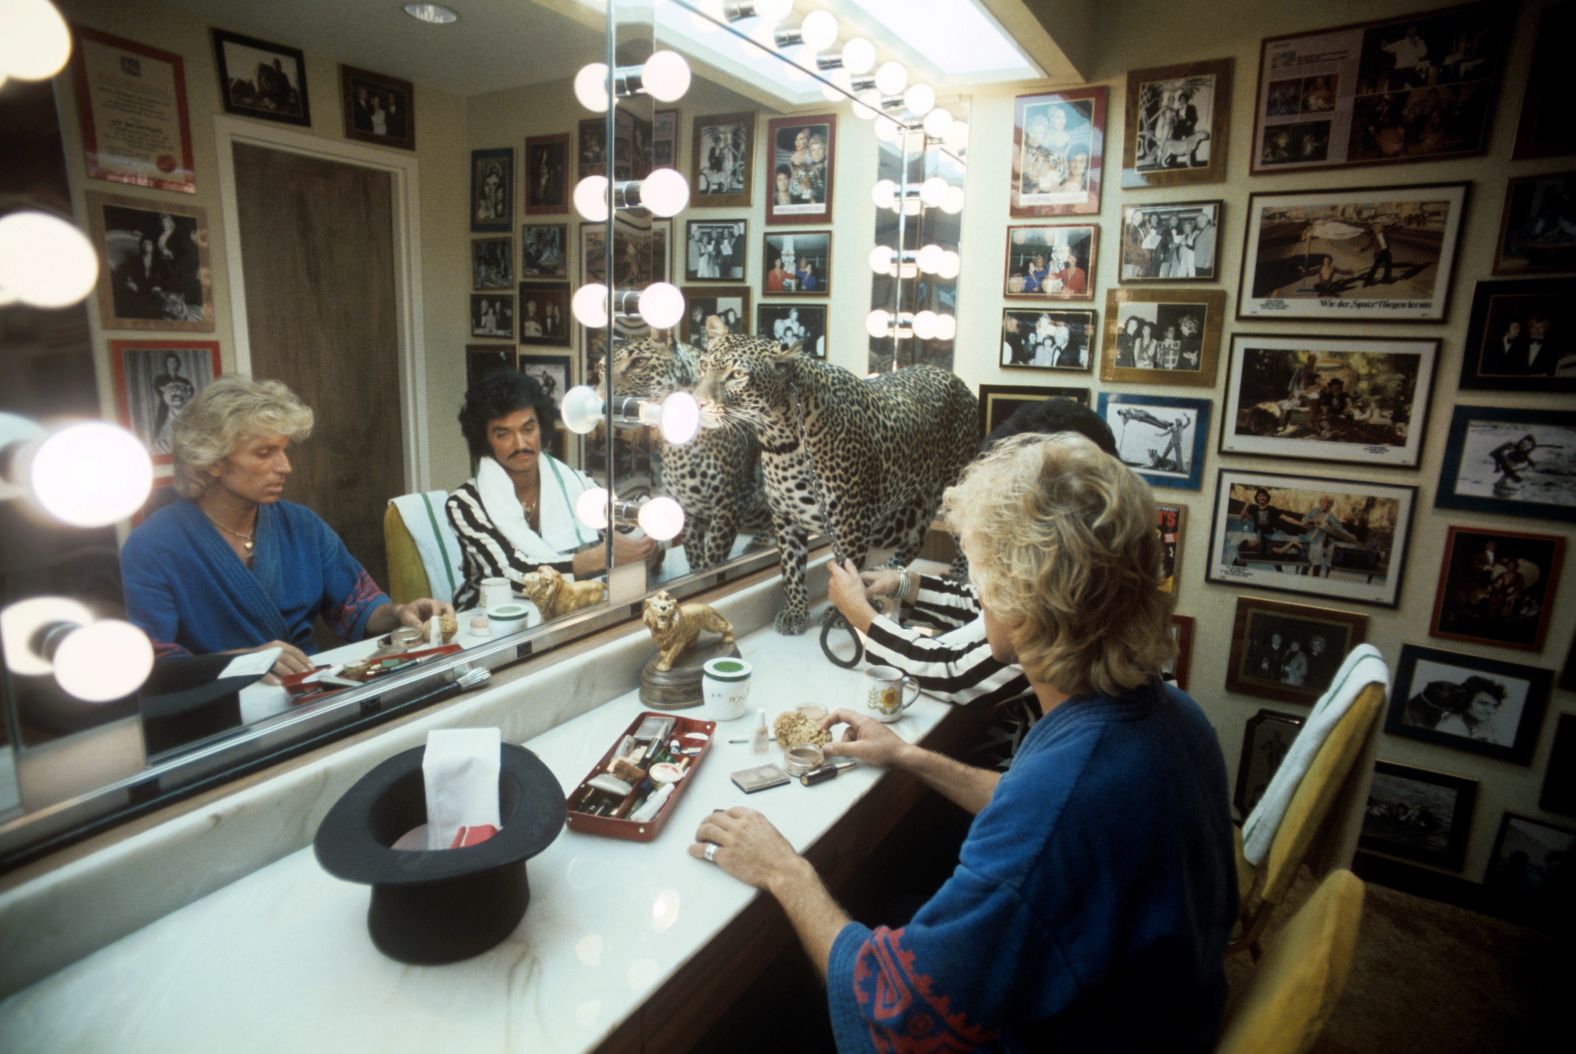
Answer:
(131, 100)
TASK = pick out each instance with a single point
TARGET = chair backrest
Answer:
(1286, 1001)
(417, 569)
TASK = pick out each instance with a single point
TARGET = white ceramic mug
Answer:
(725, 688)
(495, 591)
(886, 692)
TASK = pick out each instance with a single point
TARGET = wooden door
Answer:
(317, 251)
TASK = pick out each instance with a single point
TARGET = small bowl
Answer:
(508, 614)
(801, 759)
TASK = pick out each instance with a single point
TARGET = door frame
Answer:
(410, 318)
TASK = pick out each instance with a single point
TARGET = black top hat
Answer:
(440, 906)
(185, 700)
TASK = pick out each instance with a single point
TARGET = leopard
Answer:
(863, 460)
(716, 477)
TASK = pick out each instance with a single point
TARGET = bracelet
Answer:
(902, 587)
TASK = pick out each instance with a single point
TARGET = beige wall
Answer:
(1138, 34)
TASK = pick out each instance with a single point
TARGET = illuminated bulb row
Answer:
(662, 518)
(665, 76)
(660, 305)
(36, 43)
(95, 660)
(932, 259)
(677, 416)
(935, 192)
(663, 192)
(926, 325)
(87, 474)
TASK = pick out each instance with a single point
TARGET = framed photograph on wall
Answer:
(1416, 88)
(661, 252)
(1497, 587)
(544, 250)
(1051, 261)
(1171, 242)
(1544, 128)
(802, 155)
(1000, 401)
(1537, 231)
(640, 254)
(1161, 437)
(1328, 398)
(1289, 652)
(591, 148)
(544, 314)
(1266, 738)
(492, 189)
(714, 310)
(154, 380)
(665, 139)
(1528, 870)
(797, 264)
(546, 174)
(131, 104)
(1058, 147)
(715, 250)
(790, 324)
(261, 79)
(482, 359)
(1370, 254)
(492, 263)
(1177, 120)
(1483, 706)
(1522, 336)
(378, 109)
(722, 160)
(1182, 637)
(1559, 775)
(153, 270)
(553, 372)
(1043, 339)
(1510, 461)
(1168, 523)
(1418, 815)
(1162, 336)
(492, 316)
(1342, 539)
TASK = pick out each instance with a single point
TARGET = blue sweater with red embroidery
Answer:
(1090, 908)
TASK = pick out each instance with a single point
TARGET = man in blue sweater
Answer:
(1096, 890)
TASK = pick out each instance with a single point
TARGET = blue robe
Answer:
(191, 594)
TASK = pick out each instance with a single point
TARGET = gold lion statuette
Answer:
(555, 595)
(676, 626)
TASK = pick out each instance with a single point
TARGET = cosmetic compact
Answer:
(801, 759)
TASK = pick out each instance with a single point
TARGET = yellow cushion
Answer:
(1284, 1005)
(407, 574)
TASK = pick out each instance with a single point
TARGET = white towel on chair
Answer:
(1362, 667)
(435, 542)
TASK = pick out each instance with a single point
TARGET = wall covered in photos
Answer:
(1381, 470)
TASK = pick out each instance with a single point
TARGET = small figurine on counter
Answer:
(554, 595)
(675, 627)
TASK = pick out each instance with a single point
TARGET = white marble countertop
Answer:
(281, 959)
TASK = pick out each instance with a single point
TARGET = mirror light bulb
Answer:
(920, 99)
(90, 474)
(664, 192)
(680, 418)
(937, 121)
(888, 130)
(661, 517)
(884, 193)
(773, 11)
(819, 30)
(867, 105)
(591, 87)
(930, 258)
(925, 325)
(891, 78)
(911, 206)
(591, 198)
(36, 42)
(581, 409)
(859, 56)
(933, 190)
(103, 661)
(589, 305)
(951, 264)
(591, 508)
(946, 327)
(666, 76)
(881, 258)
(45, 261)
(661, 305)
(952, 201)
(879, 323)
(19, 626)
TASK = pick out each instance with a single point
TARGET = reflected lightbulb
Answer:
(952, 201)
(591, 198)
(888, 130)
(882, 258)
(661, 517)
(937, 122)
(951, 264)
(957, 136)
(773, 10)
(36, 42)
(45, 261)
(884, 193)
(104, 660)
(680, 417)
(664, 192)
(920, 99)
(879, 323)
(946, 327)
(891, 78)
(90, 474)
(589, 305)
(661, 305)
(591, 508)
(930, 258)
(925, 325)
(666, 76)
(819, 30)
(859, 56)
(867, 105)
(591, 87)
(933, 190)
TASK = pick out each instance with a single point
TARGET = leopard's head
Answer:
(743, 378)
(649, 369)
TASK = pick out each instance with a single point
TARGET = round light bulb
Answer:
(661, 305)
(91, 474)
(581, 409)
(884, 193)
(879, 323)
(920, 99)
(829, 89)
(881, 257)
(937, 121)
(664, 192)
(591, 87)
(680, 417)
(957, 136)
(930, 258)
(661, 517)
(45, 261)
(19, 626)
(867, 105)
(36, 43)
(666, 76)
(819, 30)
(925, 325)
(888, 130)
(591, 198)
(952, 201)
(911, 206)
(591, 508)
(103, 661)
(891, 78)
(859, 56)
(946, 327)
(933, 190)
(589, 305)
(951, 264)
(773, 10)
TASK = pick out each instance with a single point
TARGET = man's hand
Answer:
(291, 660)
(416, 613)
(866, 739)
(846, 591)
(748, 847)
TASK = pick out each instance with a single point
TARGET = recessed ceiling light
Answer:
(437, 14)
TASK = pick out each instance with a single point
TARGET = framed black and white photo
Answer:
(1369, 254)
(1510, 461)
(544, 314)
(1182, 637)
(492, 263)
(1483, 706)
(154, 380)
(665, 139)
(591, 148)
(1559, 774)
(1328, 398)
(1537, 232)
(1171, 242)
(1177, 119)
(1058, 150)
(796, 264)
(546, 174)
(1418, 815)
(261, 79)
(153, 270)
(1162, 336)
(1000, 401)
(802, 152)
(1045, 339)
(492, 316)
(1266, 738)
(552, 372)
(1161, 437)
(1289, 652)
(492, 189)
(544, 250)
(1522, 336)
(714, 310)
(1415, 88)
(1341, 539)
(378, 109)
(1051, 261)
(1528, 875)
(640, 254)
(790, 324)
(1497, 587)
(482, 359)
(1168, 524)
(722, 160)
(714, 250)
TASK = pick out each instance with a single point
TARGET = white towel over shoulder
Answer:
(435, 542)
